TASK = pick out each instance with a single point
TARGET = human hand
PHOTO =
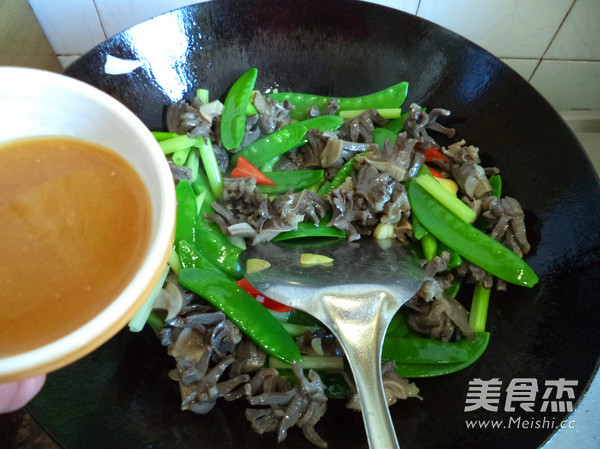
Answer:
(15, 395)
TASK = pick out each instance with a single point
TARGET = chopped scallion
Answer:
(202, 95)
(449, 201)
(311, 362)
(139, 319)
(479, 308)
(388, 113)
(176, 144)
(211, 167)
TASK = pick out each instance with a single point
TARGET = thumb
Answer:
(15, 395)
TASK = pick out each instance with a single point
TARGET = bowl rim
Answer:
(121, 309)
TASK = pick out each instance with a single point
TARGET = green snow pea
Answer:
(340, 177)
(473, 348)
(325, 188)
(391, 97)
(418, 230)
(398, 327)
(468, 241)
(496, 183)
(418, 356)
(216, 247)
(309, 229)
(185, 228)
(455, 259)
(430, 246)
(233, 120)
(286, 180)
(429, 243)
(380, 135)
(422, 350)
(245, 311)
(190, 257)
(454, 288)
(270, 147)
(396, 125)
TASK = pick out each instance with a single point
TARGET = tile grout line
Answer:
(551, 40)
(100, 19)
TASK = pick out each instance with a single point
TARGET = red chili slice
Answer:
(434, 173)
(245, 169)
(267, 302)
(433, 153)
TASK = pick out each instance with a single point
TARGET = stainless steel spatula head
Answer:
(355, 292)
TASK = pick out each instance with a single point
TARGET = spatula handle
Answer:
(361, 330)
(375, 412)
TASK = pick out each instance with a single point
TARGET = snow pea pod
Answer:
(455, 260)
(474, 349)
(417, 356)
(398, 326)
(339, 178)
(380, 135)
(190, 257)
(309, 229)
(216, 247)
(454, 288)
(391, 97)
(245, 311)
(468, 241)
(430, 245)
(496, 183)
(286, 180)
(233, 119)
(265, 149)
(186, 213)
(396, 125)
(421, 350)
(418, 230)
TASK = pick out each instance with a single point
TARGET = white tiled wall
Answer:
(554, 44)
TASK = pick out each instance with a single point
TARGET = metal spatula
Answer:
(355, 296)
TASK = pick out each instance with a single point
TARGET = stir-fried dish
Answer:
(269, 167)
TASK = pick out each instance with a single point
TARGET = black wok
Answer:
(120, 396)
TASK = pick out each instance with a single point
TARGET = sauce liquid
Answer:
(75, 220)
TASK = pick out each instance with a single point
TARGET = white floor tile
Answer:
(72, 26)
(506, 28)
(579, 37)
(569, 84)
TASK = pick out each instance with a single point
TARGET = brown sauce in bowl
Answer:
(75, 223)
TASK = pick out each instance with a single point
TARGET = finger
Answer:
(15, 395)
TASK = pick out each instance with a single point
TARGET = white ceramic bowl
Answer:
(36, 103)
